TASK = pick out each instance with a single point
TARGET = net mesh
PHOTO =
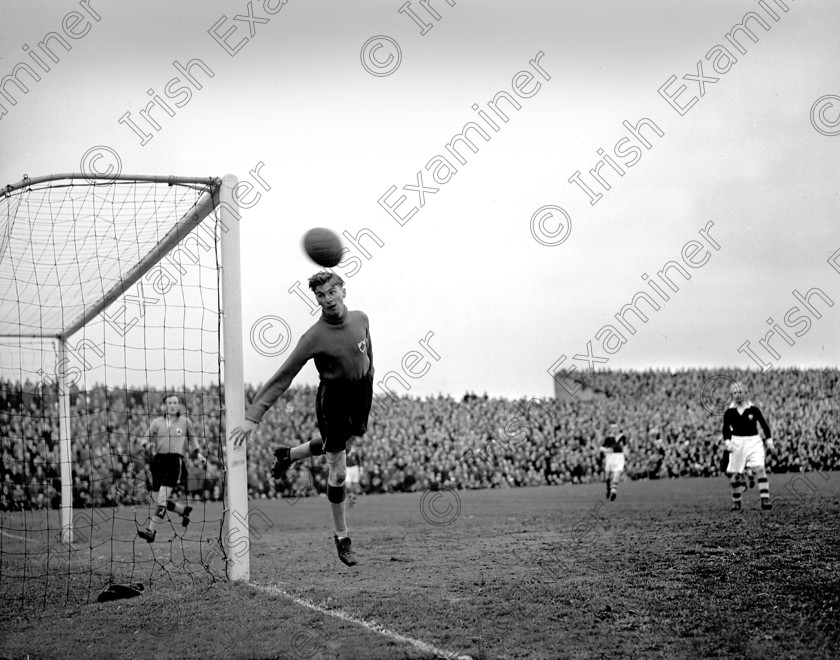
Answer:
(95, 304)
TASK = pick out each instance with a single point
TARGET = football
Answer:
(323, 246)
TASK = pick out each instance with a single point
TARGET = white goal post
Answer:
(31, 318)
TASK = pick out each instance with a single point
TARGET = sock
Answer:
(299, 452)
(336, 496)
(736, 489)
(764, 488)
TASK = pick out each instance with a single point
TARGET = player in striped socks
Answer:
(746, 449)
(339, 343)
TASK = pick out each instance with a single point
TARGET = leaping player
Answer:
(613, 450)
(339, 343)
(746, 449)
(170, 437)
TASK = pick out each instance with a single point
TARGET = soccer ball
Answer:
(323, 246)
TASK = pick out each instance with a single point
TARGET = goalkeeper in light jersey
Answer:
(339, 343)
(746, 449)
(170, 438)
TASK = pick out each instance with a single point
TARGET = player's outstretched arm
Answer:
(279, 382)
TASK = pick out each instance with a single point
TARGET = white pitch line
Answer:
(374, 627)
(14, 536)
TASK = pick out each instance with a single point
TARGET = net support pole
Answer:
(236, 533)
(64, 447)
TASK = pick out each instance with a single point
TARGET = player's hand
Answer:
(769, 446)
(242, 433)
(729, 445)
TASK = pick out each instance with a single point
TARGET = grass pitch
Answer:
(665, 571)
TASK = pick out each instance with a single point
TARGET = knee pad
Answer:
(161, 511)
(336, 494)
(170, 505)
(316, 447)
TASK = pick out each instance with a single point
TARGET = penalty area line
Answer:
(368, 625)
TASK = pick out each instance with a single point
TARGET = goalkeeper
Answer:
(170, 437)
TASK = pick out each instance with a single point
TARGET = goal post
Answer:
(237, 532)
(76, 251)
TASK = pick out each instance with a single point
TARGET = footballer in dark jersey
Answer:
(339, 343)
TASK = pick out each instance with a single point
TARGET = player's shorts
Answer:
(614, 462)
(747, 452)
(342, 407)
(167, 470)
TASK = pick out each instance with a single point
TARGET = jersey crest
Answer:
(362, 345)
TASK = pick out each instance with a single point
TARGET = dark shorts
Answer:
(342, 407)
(167, 470)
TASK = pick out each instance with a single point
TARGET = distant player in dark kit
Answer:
(170, 438)
(613, 450)
(339, 343)
(746, 449)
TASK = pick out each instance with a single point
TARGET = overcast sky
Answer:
(750, 145)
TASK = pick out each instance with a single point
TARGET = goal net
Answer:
(113, 292)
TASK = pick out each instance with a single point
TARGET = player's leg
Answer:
(173, 474)
(337, 496)
(345, 418)
(159, 498)
(616, 477)
(756, 460)
(737, 464)
(763, 487)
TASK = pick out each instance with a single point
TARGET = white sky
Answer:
(502, 307)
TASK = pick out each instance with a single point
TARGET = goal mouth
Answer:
(104, 233)
(111, 291)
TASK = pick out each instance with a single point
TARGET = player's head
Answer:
(329, 292)
(736, 392)
(613, 428)
(173, 403)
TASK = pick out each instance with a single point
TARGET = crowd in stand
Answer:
(415, 444)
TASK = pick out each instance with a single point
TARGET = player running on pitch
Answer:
(339, 343)
(746, 450)
(613, 450)
(170, 437)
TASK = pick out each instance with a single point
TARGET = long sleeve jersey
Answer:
(745, 423)
(341, 350)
